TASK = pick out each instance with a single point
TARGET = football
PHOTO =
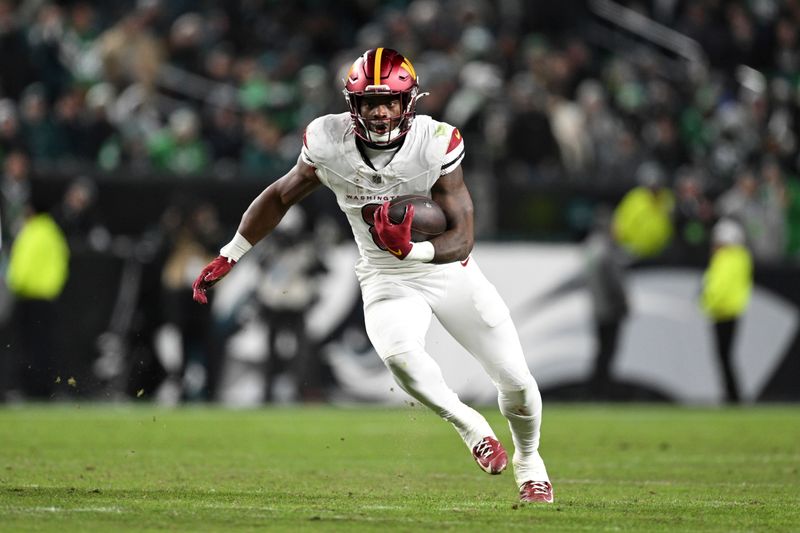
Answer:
(429, 220)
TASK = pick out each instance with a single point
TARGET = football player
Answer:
(377, 151)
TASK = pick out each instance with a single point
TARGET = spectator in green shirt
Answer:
(179, 148)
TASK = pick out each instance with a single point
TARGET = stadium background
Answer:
(173, 115)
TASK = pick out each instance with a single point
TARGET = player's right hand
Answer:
(395, 237)
(212, 273)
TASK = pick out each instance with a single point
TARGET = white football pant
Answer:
(398, 312)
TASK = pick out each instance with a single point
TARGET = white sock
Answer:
(523, 410)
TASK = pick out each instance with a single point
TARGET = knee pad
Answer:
(415, 370)
(525, 400)
(419, 375)
(398, 365)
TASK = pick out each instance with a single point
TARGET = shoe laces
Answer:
(484, 448)
(537, 487)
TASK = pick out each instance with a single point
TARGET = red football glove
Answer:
(396, 237)
(212, 273)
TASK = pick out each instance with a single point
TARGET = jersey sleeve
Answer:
(318, 146)
(305, 153)
(454, 153)
(316, 142)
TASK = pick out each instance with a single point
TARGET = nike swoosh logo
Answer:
(396, 252)
(465, 261)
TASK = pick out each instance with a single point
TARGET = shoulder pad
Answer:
(321, 136)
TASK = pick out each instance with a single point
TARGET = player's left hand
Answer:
(396, 237)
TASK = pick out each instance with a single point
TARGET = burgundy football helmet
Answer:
(381, 72)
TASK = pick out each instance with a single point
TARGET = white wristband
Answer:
(422, 252)
(236, 248)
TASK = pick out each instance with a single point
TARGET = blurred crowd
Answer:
(546, 94)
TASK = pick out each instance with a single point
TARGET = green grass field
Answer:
(83, 467)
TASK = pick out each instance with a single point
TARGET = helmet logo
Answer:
(406, 64)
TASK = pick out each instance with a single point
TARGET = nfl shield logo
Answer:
(376, 178)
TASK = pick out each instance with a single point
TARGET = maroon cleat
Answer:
(536, 491)
(490, 455)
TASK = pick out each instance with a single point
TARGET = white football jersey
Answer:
(430, 149)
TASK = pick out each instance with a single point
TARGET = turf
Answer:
(83, 467)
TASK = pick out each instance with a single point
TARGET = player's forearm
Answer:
(452, 245)
(452, 195)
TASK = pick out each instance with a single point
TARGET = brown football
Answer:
(429, 220)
